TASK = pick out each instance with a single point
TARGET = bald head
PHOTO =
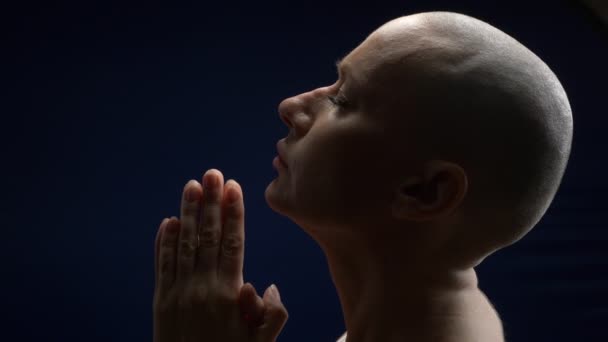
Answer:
(460, 90)
(465, 134)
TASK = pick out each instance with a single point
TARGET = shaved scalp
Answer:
(479, 98)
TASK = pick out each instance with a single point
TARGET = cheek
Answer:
(316, 180)
(336, 180)
(361, 175)
(339, 166)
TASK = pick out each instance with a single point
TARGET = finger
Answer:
(232, 250)
(159, 233)
(168, 254)
(188, 239)
(210, 226)
(252, 305)
(275, 316)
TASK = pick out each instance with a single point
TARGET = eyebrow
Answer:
(344, 70)
(339, 66)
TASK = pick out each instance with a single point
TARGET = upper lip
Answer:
(281, 151)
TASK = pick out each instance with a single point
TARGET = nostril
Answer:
(284, 109)
(285, 119)
(288, 111)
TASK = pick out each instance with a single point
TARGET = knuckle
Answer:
(190, 209)
(225, 298)
(232, 244)
(210, 216)
(167, 241)
(280, 314)
(209, 220)
(209, 237)
(285, 313)
(186, 248)
(235, 209)
(212, 196)
(165, 266)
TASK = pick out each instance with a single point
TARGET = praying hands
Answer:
(199, 293)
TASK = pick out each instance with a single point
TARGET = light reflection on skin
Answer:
(402, 228)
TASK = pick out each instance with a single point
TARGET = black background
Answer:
(108, 109)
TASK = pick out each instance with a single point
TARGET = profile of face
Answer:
(346, 161)
(357, 163)
(331, 152)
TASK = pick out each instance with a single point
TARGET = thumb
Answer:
(252, 306)
(275, 316)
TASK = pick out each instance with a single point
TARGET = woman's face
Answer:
(339, 152)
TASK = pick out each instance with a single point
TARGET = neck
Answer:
(393, 294)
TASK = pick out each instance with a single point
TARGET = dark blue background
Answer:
(108, 110)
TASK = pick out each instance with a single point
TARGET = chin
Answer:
(273, 200)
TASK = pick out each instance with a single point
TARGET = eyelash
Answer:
(338, 100)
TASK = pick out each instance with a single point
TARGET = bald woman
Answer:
(442, 141)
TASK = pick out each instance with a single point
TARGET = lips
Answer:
(281, 152)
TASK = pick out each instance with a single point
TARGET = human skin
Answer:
(199, 293)
(380, 217)
(401, 227)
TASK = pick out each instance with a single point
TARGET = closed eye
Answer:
(337, 100)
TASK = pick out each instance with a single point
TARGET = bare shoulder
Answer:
(482, 324)
(491, 327)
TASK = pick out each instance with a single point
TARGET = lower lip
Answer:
(278, 163)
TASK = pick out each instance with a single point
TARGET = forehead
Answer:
(386, 54)
(381, 72)
(364, 60)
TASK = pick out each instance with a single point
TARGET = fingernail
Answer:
(275, 292)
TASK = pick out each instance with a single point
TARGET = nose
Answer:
(288, 108)
(305, 105)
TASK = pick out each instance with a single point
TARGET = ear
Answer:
(435, 193)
